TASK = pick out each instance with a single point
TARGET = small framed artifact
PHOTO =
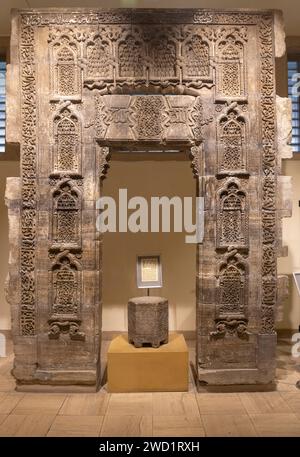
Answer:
(296, 275)
(149, 274)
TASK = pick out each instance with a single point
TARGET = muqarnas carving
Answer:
(231, 66)
(66, 230)
(67, 135)
(196, 55)
(99, 57)
(133, 58)
(232, 218)
(66, 71)
(232, 139)
(131, 52)
(66, 283)
(162, 57)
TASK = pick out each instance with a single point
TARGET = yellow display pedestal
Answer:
(165, 369)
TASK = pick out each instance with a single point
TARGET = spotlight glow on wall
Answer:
(129, 3)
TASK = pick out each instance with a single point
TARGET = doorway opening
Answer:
(149, 173)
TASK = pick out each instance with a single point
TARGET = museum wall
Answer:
(7, 168)
(291, 239)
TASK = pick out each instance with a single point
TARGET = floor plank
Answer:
(85, 405)
(293, 400)
(276, 425)
(2, 417)
(180, 426)
(26, 425)
(159, 414)
(9, 401)
(264, 403)
(175, 404)
(235, 425)
(127, 426)
(220, 404)
(40, 404)
(85, 426)
(130, 405)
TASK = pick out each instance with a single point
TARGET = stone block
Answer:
(148, 321)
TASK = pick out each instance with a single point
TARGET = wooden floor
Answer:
(195, 414)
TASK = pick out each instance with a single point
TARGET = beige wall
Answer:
(6, 169)
(291, 238)
(149, 178)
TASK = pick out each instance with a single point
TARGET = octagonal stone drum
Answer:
(148, 321)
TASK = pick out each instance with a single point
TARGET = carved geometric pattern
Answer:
(65, 71)
(65, 285)
(231, 144)
(146, 117)
(66, 216)
(232, 216)
(66, 296)
(149, 117)
(230, 77)
(232, 290)
(67, 136)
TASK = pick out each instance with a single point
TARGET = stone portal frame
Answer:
(224, 108)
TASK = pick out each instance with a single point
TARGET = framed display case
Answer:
(149, 271)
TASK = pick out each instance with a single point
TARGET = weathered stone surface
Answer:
(284, 126)
(84, 81)
(279, 34)
(283, 292)
(148, 321)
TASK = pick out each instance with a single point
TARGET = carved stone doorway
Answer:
(81, 81)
